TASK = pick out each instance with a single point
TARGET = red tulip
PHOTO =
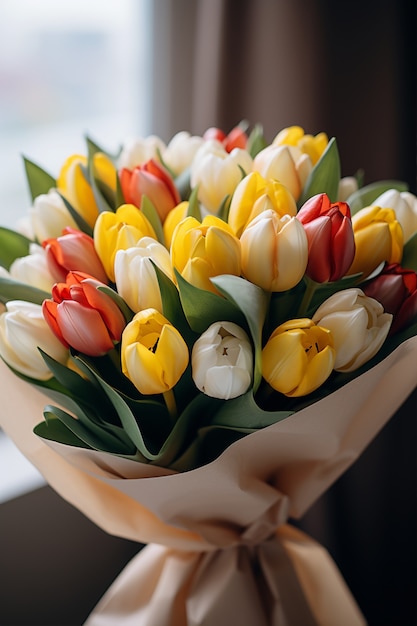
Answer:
(73, 251)
(237, 138)
(82, 317)
(396, 289)
(150, 179)
(331, 244)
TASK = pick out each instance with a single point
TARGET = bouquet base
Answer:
(288, 580)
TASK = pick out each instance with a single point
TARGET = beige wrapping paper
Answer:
(226, 552)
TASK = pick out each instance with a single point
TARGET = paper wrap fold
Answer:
(225, 554)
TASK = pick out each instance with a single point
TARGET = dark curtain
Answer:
(348, 68)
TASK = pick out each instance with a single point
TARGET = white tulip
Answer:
(181, 150)
(22, 330)
(358, 325)
(404, 204)
(49, 216)
(222, 361)
(138, 151)
(135, 274)
(33, 269)
(217, 173)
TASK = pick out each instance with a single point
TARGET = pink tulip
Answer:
(73, 251)
(82, 317)
(396, 289)
(152, 180)
(331, 245)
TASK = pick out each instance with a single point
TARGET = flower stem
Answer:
(171, 404)
(310, 290)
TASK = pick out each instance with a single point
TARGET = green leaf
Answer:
(119, 198)
(53, 429)
(243, 412)
(39, 180)
(150, 212)
(13, 245)
(256, 141)
(182, 183)
(88, 431)
(117, 299)
(193, 205)
(202, 308)
(171, 306)
(409, 259)
(78, 219)
(14, 290)
(223, 212)
(253, 302)
(365, 196)
(325, 176)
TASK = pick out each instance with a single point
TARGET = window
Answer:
(67, 69)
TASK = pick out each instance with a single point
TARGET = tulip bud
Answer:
(396, 289)
(200, 251)
(153, 181)
(154, 355)
(358, 325)
(237, 138)
(253, 195)
(298, 357)
(286, 164)
(138, 151)
(135, 274)
(405, 206)
(22, 331)
(179, 153)
(83, 317)
(73, 251)
(274, 251)
(222, 361)
(217, 173)
(294, 136)
(49, 216)
(378, 238)
(75, 187)
(331, 244)
(33, 269)
(119, 231)
(347, 186)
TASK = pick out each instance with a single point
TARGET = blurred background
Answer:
(124, 68)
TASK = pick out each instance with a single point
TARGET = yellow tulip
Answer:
(298, 357)
(74, 186)
(314, 146)
(378, 238)
(174, 217)
(274, 251)
(119, 231)
(200, 251)
(255, 194)
(154, 354)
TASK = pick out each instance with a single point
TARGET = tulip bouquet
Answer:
(212, 319)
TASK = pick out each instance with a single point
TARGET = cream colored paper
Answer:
(226, 512)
